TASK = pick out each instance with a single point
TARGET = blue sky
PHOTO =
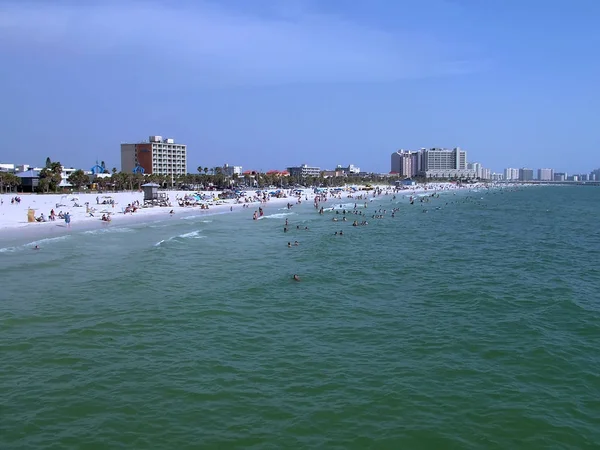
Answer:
(266, 84)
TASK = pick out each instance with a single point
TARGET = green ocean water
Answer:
(475, 325)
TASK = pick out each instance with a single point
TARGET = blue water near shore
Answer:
(475, 325)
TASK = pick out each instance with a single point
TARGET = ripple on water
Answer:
(421, 331)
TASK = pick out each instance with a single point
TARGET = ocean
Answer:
(475, 324)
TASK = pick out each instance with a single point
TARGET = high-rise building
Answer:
(432, 163)
(511, 174)
(545, 174)
(406, 163)
(444, 163)
(559, 176)
(525, 174)
(157, 156)
(478, 168)
(443, 159)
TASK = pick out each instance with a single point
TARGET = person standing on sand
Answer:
(68, 219)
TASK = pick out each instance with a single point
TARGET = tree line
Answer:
(50, 178)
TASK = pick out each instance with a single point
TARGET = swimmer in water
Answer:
(296, 277)
(36, 247)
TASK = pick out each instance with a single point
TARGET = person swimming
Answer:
(36, 247)
(296, 277)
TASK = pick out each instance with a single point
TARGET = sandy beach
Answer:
(86, 209)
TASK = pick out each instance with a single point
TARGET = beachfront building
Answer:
(304, 171)
(336, 173)
(7, 168)
(511, 174)
(406, 163)
(559, 176)
(525, 174)
(230, 171)
(477, 168)
(157, 156)
(348, 170)
(30, 180)
(545, 174)
(445, 163)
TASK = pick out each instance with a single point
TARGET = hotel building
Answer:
(545, 174)
(444, 163)
(157, 156)
(406, 163)
(432, 163)
(304, 171)
(511, 174)
(525, 174)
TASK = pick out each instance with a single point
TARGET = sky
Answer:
(268, 84)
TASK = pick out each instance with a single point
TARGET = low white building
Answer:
(5, 167)
(232, 170)
(304, 171)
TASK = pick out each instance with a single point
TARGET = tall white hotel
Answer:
(511, 174)
(545, 174)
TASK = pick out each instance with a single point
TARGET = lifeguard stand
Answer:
(153, 197)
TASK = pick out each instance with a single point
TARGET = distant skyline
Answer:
(268, 84)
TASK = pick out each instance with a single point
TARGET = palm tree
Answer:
(78, 179)
(8, 181)
(52, 176)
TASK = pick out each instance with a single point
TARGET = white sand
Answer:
(14, 216)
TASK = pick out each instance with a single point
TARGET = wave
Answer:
(48, 240)
(191, 235)
(196, 217)
(348, 206)
(33, 243)
(109, 230)
(277, 216)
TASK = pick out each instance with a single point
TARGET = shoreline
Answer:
(14, 228)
